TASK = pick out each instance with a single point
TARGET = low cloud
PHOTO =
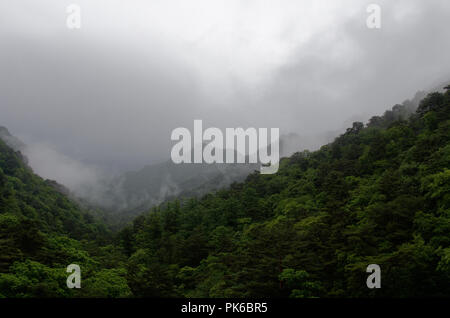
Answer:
(106, 97)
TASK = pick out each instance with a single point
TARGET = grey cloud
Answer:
(111, 99)
(316, 90)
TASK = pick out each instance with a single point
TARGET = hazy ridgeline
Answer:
(126, 194)
(378, 194)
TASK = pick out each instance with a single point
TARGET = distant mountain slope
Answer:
(125, 196)
(136, 191)
(154, 184)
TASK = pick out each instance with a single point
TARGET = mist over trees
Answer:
(378, 194)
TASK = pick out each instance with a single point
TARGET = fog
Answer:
(107, 96)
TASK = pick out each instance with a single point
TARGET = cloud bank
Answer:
(109, 95)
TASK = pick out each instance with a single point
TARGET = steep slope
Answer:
(378, 194)
(42, 232)
(24, 194)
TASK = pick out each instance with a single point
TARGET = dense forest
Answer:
(42, 232)
(378, 194)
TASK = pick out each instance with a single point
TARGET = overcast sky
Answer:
(110, 93)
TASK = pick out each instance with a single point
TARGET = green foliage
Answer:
(33, 279)
(107, 283)
(42, 232)
(377, 194)
(300, 284)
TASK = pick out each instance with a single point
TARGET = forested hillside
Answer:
(42, 232)
(379, 194)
